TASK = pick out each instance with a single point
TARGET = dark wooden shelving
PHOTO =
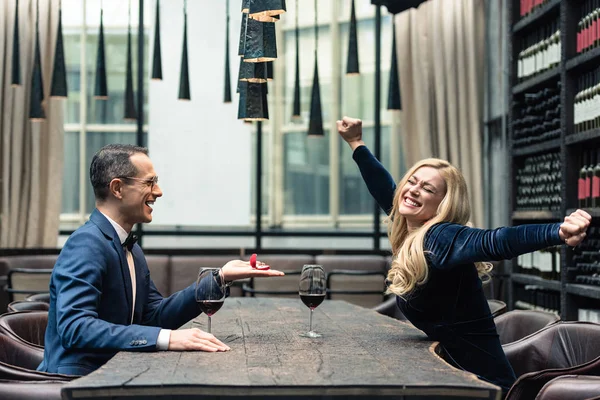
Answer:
(537, 80)
(584, 60)
(536, 215)
(536, 280)
(581, 137)
(536, 16)
(589, 291)
(553, 144)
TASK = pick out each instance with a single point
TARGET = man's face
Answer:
(139, 192)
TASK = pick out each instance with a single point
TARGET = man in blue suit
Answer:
(95, 310)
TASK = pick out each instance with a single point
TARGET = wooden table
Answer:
(362, 354)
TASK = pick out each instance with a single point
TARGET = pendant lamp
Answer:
(36, 110)
(352, 62)
(59, 73)
(184, 77)
(260, 43)
(130, 112)
(260, 8)
(101, 89)
(296, 105)
(227, 88)
(16, 55)
(157, 54)
(315, 123)
(394, 99)
(253, 102)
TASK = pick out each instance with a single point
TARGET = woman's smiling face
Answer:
(421, 196)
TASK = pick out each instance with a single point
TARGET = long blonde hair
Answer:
(409, 266)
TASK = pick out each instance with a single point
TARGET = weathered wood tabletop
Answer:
(362, 354)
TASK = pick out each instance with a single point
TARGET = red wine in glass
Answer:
(210, 292)
(210, 307)
(312, 290)
(312, 301)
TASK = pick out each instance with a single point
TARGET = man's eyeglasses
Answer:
(149, 182)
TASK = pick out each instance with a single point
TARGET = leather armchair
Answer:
(18, 362)
(25, 305)
(28, 327)
(572, 387)
(497, 307)
(45, 297)
(562, 348)
(19, 390)
(515, 325)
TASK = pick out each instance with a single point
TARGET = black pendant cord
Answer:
(140, 97)
(16, 56)
(227, 94)
(377, 118)
(316, 31)
(296, 108)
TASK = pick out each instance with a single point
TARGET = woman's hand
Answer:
(573, 230)
(238, 269)
(350, 129)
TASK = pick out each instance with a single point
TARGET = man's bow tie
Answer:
(130, 241)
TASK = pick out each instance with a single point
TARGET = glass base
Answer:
(311, 334)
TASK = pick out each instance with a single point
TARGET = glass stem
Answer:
(310, 320)
(209, 324)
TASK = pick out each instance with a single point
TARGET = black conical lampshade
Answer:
(130, 113)
(296, 108)
(36, 110)
(315, 124)
(269, 70)
(253, 102)
(184, 77)
(260, 8)
(227, 88)
(59, 74)
(101, 89)
(260, 43)
(394, 99)
(157, 55)
(352, 64)
(16, 56)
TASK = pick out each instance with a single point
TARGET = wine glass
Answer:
(312, 292)
(210, 292)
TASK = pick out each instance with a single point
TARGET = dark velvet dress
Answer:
(451, 307)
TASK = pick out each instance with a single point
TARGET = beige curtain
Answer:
(441, 60)
(31, 153)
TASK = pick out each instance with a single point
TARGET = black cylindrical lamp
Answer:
(260, 43)
(227, 87)
(157, 54)
(16, 55)
(394, 99)
(260, 8)
(253, 102)
(352, 62)
(184, 77)
(130, 112)
(101, 88)
(36, 110)
(59, 73)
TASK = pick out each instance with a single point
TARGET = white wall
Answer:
(200, 150)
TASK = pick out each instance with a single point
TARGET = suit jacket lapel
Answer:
(107, 229)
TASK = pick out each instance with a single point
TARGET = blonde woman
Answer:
(439, 262)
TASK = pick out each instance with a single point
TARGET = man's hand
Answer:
(350, 129)
(195, 339)
(573, 230)
(238, 269)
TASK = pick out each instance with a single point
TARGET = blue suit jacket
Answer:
(91, 302)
